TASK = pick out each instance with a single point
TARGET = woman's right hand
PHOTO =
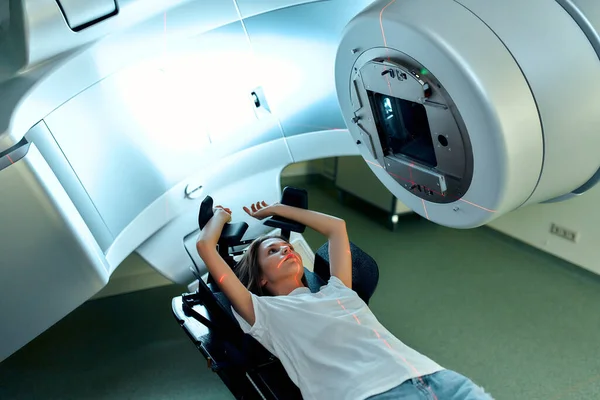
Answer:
(261, 210)
(223, 214)
(209, 236)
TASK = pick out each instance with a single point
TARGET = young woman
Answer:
(329, 342)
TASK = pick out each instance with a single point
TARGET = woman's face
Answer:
(279, 262)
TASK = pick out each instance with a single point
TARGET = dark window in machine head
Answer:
(403, 128)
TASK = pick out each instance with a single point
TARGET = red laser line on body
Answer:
(420, 376)
(391, 348)
(298, 262)
(298, 273)
(284, 260)
(10, 159)
(355, 317)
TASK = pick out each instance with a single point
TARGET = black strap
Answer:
(190, 312)
(237, 344)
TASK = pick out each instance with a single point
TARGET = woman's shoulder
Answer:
(336, 282)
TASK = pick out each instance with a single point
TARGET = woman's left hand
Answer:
(261, 210)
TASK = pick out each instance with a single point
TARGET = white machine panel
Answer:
(297, 63)
(140, 132)
(49, 260)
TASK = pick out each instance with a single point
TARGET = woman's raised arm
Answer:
(236, 292)
(340, 258)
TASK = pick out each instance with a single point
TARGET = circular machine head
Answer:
(452, 111)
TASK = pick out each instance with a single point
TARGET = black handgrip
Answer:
(285, 224)
(292, 197)
(206, 212)
(295, 197)
(231, 234)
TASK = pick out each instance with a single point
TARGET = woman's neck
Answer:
(286, 287)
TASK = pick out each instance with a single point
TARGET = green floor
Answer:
(521, 323)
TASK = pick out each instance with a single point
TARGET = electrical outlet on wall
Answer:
(564, 233)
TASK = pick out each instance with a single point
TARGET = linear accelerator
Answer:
(117, 117)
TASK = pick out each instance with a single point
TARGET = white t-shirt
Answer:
(331, 345)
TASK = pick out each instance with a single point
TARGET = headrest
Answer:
(365, 271)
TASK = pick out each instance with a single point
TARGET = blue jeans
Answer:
(442, 385)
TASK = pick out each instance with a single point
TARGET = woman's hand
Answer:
(209, 236)
(222, 214)
(261, 210)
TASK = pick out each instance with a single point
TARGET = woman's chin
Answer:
(294, 262)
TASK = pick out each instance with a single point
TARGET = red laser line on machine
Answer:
(10, 159)
(385, 43)
(387, 78)
(478, 206)
(412, 164)
(165, 31)
(381, 25)
(432, 190)
(406, 180)
(390, 88)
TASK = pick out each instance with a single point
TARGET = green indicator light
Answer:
(424, 71)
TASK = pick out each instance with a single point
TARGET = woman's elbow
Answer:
(338, 227)
(202, 246)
